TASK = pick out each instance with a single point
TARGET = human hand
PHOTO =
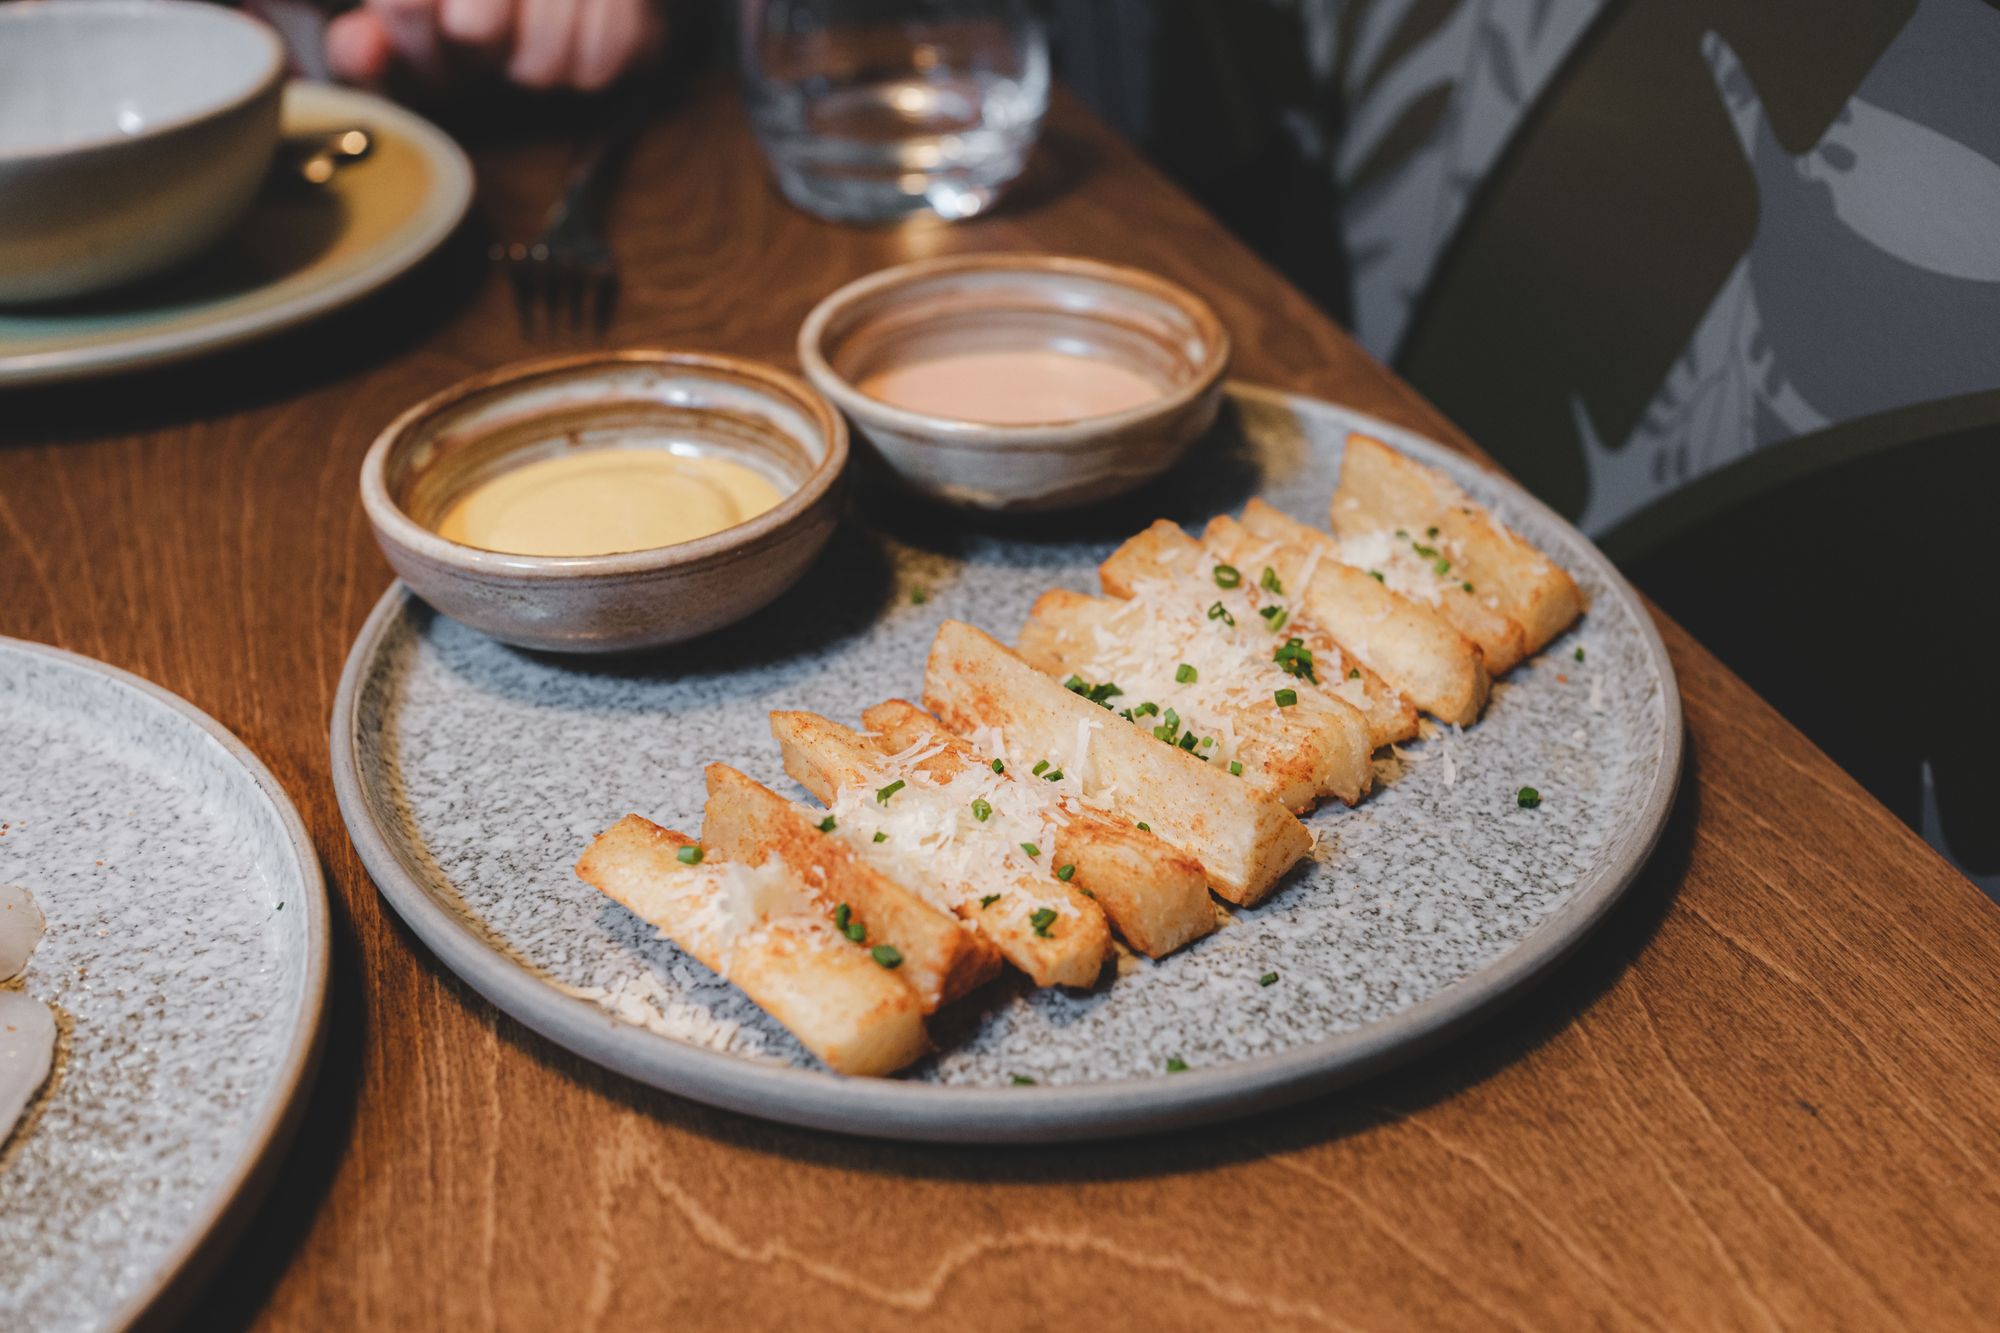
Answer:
(582, 44)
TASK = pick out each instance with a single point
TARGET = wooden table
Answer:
(1766, 1095)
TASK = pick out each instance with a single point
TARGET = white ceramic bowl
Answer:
(1012, 302)
(133, 134)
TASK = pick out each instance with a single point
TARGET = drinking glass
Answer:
(873, 109)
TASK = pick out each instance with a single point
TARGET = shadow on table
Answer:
(1464, 1061)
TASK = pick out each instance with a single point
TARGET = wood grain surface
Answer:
(1766, 1095)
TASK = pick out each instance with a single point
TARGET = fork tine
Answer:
(572, 297)
(606, 292)
(524, 293)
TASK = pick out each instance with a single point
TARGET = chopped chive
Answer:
(880, 836)
(1041, 767)
(1228, 576)
(1235, 768)
(1144, 827)
(1527, 798)
(1268, 979)
(826, 825)
(1076, 684)
(1086, 893)
(1053, 775)
(1146, 709)
(1221, 612)
(999, 767)
(1430, 532)
(981, 808)
(1354, 673)
(1269, 583)
(1023, 1081)
(1443, 566)
(1176, 1065)
(1064, 873)
(1185, 674)
(1103, 694)
(1285, 698)
(1268, 611)
(1376, 574)
(919, 595)
(1296, 659)
(888, 955)
(1427, 552)
(1467, 585)
(1278, 621)
(988, 901)
(882, 794)
(1031, 849)
(1207, 741)
(841, 915)
(690, 856)
(1042, 919)
(856, 931)
(1579, 654)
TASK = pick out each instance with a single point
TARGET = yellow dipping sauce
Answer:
(602, 501)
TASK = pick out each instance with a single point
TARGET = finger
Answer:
(357, 49)
(609, 37)
(411, 26)
(544, 36)
(476, 22)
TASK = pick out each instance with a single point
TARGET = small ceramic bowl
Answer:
(1013, 303)
(438, 450)
(133, 134)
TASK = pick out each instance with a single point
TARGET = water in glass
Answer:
(873, 109)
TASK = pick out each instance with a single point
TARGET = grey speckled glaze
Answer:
(472, 775)
(186, 948)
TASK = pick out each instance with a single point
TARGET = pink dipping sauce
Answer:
(1012, 388)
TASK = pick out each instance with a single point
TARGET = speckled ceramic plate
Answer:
(299, 253)
(186, 956)
(471, 776)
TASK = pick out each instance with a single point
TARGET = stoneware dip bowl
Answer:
(687, 402)
(133, 134)
(982, 304)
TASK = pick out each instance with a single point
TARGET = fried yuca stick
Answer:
(1156, 897)
(762, 931)
(1245, 841)
(1164, 554)
(1382, 491)
(1429, 662)
(1198, 674)
(1410, 567)
(748, 822)
(992, 864)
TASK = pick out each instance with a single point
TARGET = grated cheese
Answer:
(1165, 625)
(934, 845)
(1402, 569)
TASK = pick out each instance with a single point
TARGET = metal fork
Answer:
(567, 275)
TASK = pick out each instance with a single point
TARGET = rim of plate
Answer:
(430, 222)
(890, 1108)
(228, 1206)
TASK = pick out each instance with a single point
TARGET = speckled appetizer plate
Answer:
(472, 775)
(186, 955)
